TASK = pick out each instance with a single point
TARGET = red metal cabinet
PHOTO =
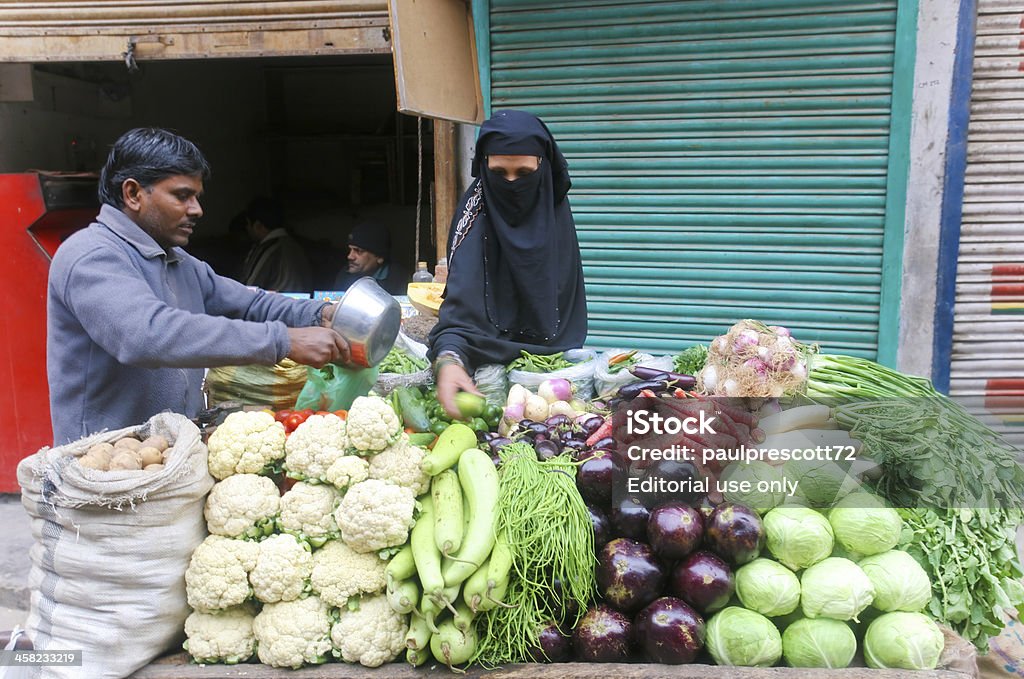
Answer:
(37, 211)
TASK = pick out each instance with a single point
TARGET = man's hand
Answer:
(327, 314)
(451, 379)
(317, 346)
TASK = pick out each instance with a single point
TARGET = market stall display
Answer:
(538, 531)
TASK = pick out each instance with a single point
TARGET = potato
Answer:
(149, 455)
(158, 442)
(105, 447)
(91, 461)
(102, 453)
(128, 442)
(153, 467)
(125, 461)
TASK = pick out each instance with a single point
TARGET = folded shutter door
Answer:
(730, 160)
(987, 367)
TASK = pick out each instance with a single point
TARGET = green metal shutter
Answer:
(730, 160)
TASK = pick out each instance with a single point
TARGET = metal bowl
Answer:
(369, 319)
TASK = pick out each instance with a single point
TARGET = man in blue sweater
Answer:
(132, 319)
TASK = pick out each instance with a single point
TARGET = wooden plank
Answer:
(446, 182)
(434, 48)
(169, 43)
(176, 667)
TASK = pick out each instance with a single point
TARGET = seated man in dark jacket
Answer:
(369, 254)
(276, 261)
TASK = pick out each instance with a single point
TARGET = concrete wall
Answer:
(933, 79)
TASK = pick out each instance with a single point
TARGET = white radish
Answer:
(562, 408)
(536, 408)
(517, 395)
(801, 417)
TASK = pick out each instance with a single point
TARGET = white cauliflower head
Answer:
(399, 463)
(371, 635)
(340, 573)
(221, 637)
(217, 576)
(293, 633)
(314, 445)
(242, 505)
(307, 510)
(347, 471)
(282, 569)
(372, 425)
(374, 515)
(245, 443)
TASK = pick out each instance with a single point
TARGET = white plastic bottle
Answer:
(422, 274)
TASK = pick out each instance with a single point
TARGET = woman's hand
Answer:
(451, 379)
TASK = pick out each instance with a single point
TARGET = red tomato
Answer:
(322, 412)
(293, 421)
(343, 414)
(305, 412)
(282, 415)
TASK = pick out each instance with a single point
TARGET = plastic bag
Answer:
(334, 387)
(606, 383)
(388, 382)
(277, 386)
(581, 374)
(492, 381)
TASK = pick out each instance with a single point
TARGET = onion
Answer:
(780, 330)
(745, 342)
(731, 387)
(799, 371)
(721, 344)
(757, 365)
(709, 374)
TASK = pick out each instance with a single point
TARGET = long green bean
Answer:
(550, 536)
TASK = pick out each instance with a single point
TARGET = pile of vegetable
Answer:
(299, 578)
(401, 363)
(127, 454)
(754, 360)
(956, 482)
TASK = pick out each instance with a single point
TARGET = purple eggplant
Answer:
(499, 442)
(676, 379)
(558, 421)
(594, 477)
(669, 631)
(674, 530)
(661, 472)
(574, 445)
(629, 574)
(553, 645)
(602, 526)
(589, 423)
(735, 532)
(603, 635)
(704, 581)
(606, 443)
(632, 390)
(629, 519)
(547, 449)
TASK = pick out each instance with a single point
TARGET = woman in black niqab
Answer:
(515, 277)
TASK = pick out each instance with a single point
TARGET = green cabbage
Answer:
(863, 524)
(755, 472)
(768, 587)
(736, 636)
(820, 482)
(835, 588)
(818, 643)
(909, 641)
(899, 581)
(797, 536)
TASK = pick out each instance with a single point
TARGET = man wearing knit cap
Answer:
(369, 254)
